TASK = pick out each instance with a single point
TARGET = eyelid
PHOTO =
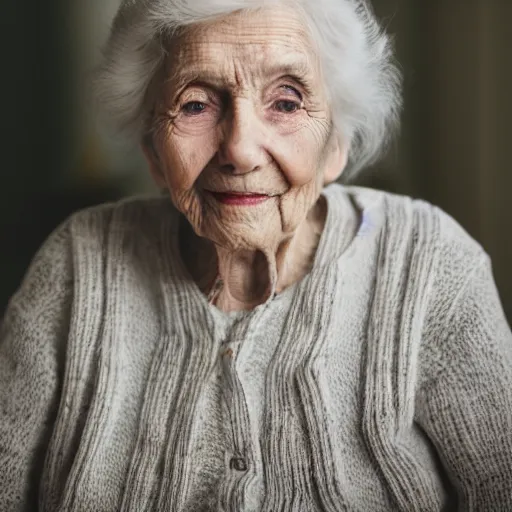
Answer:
(196, 91)
(298, 82)
(193, 98)
(292, 89)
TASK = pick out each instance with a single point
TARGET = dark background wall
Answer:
(456, 137)
(34, 96)
(453, 150)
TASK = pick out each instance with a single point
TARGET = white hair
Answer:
(362, 80)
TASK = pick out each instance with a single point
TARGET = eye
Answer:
(193, 108)
(287, 106)
(292, 103)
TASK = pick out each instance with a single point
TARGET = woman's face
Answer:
(242, 133)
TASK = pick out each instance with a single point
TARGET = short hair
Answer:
(363, 82)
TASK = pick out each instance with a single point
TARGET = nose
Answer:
(241, 148)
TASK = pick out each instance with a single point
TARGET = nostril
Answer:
(232, 169)
(227, 168)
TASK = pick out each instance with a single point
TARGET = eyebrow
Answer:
(296, 70)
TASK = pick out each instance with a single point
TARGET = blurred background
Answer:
(454, 149)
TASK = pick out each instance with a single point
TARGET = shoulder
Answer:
(89, 236)
(131, 215)
(445, 271)
(429, 226)
(413, 229)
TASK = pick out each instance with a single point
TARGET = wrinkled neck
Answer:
(243, 279)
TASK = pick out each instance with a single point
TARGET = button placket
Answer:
(238, 460)
(241, 461)
(238, 464)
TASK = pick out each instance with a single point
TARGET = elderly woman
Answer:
(265, 340)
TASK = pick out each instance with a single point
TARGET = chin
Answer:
(238, 228)
(260, 236)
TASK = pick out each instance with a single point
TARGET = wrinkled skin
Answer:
(243, 109)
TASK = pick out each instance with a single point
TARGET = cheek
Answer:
(299, 156)
(185, 159)
(295, 205)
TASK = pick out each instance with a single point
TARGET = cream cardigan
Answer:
(381, 382)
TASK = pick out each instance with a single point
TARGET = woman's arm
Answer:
(33, 335)
(466, 407)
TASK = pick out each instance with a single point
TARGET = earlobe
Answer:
(153, 161)
(336, 161)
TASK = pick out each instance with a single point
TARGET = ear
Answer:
(153, 161)
(336, 161)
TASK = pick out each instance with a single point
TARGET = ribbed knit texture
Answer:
(380, 382)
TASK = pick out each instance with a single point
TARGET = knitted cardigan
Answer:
(382, 381)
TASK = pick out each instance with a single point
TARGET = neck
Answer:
(243, 279)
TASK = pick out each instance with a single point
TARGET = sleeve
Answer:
(33, 335)
(465, 407)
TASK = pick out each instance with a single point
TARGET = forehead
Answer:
(266, 42)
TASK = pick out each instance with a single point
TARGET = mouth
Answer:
(240, 198)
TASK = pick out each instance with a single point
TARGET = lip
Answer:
(240, 198)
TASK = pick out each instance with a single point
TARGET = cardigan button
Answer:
(238, 464)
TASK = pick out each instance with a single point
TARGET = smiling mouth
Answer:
(240, 198)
